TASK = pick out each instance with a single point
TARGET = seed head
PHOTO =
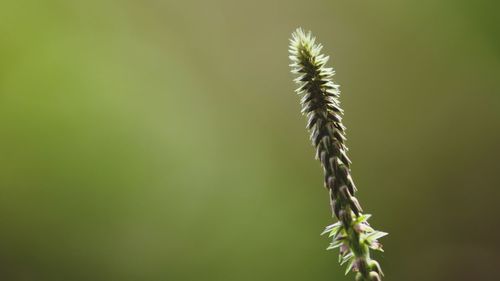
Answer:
(321, 105)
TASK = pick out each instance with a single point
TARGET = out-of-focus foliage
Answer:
(161, 140)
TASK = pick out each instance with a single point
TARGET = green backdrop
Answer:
(162, 140)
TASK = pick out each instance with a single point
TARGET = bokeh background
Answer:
(162, 140)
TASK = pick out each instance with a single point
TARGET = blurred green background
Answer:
(162, 140)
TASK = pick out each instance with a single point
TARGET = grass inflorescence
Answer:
(351, 234)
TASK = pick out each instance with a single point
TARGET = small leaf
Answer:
(375, 235)
(347, 258)
(362, 218)
(336, 231)
(349, 266)
(368, 228)
(335, 244)
(330, 228)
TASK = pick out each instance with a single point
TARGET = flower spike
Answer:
(320, 103)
